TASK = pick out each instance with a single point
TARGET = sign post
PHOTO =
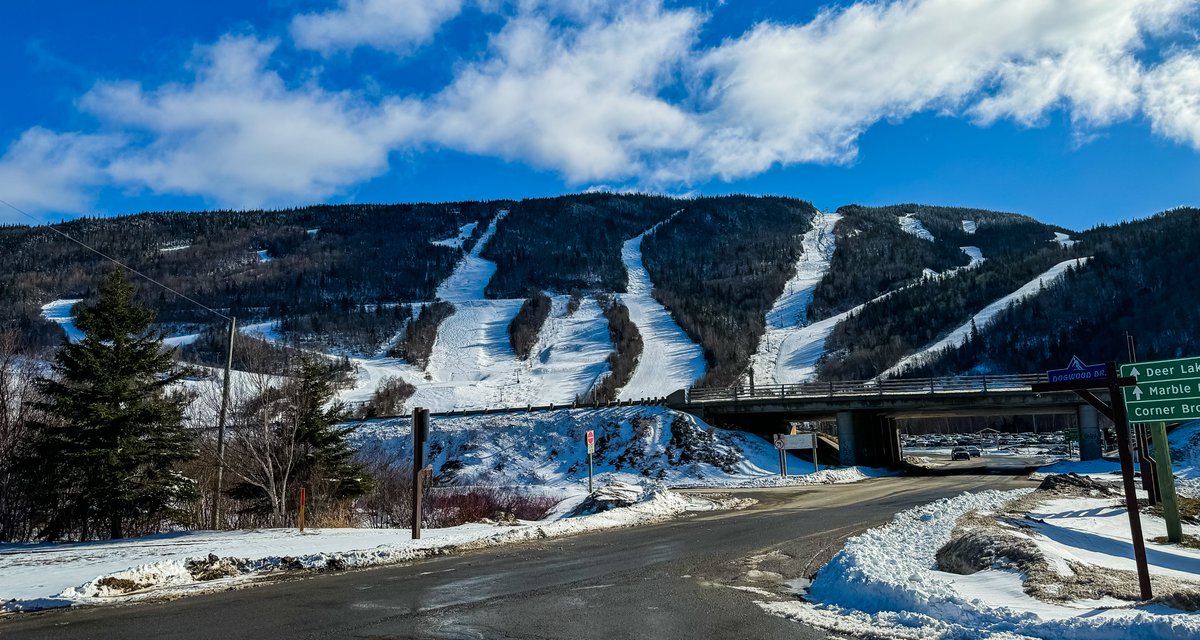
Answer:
(420, 430)
(591, 449)
(795, 441)
(1165, 389)
(1082, 378)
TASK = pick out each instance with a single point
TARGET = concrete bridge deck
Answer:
(866, 410)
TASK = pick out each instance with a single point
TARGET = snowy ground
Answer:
(885, 584)
(1063, 239)
(1184, 443)
(638, 449)
(670, 361)
(38, 576)
(464, 232)
(984, 317)
(473, 273)
(969, 226)
(787, 322)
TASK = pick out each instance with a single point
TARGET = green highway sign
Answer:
(1156, 371)
(1164, 410)
(1166, 390)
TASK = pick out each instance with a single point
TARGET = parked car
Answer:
(974, 452)
(960, 453)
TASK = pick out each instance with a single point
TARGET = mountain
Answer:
(475, 304)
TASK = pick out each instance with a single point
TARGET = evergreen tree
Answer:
(111, 436)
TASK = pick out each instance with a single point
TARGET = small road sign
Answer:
(1166, 390)
(591, 441)
(1076, 371)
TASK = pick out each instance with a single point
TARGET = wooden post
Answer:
(302, 509)
(214, 521)
(1121, 422)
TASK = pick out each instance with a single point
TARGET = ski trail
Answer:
(670, 360)
(913, 226)
(473, 273)
(786, 318)
(983, 318)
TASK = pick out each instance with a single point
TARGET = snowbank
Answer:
(42, 575)
(885, 584)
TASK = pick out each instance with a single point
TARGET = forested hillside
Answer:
(719, 266)
(316, 263)
(570, 242)
(1140, 280)
(875, 255)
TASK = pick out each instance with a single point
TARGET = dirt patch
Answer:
(214, 568)
(1189, 510)
(1188, 541)
(120, 585)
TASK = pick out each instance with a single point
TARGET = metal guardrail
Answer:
(844, 388)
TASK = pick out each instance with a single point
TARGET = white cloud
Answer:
(391, 25)
(46, 171)
(1173, 98)
(581, 99)
(239, 135)
(786, 94)
(615, 92)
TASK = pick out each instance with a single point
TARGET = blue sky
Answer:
(1074, 111)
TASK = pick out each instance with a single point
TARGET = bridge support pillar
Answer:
(867, 438)
(1090, 444)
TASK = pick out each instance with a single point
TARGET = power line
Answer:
(112, 259)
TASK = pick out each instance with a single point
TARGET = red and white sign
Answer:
(591, 441)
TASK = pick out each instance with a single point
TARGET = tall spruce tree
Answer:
(111, 434)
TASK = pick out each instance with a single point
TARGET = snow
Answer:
(38, 576)
(913, 226)
(786, 321)
(181, 340)
(312, 232)
(670, 361)
(976, 256)
(1063, 239)
(263, 256)
(969, 226)
(546, 448)
(473, 273)
(177, 247)
(884, 582)
(983, 318)
(59, 312)
(456, 242)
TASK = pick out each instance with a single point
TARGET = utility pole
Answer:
(216, 506)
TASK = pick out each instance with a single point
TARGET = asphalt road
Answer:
(678, 579)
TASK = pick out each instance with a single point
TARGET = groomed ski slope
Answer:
(789, 354)
(473, 273)
(776, 360)
(984, 317)
(912, 225)
(670, 360)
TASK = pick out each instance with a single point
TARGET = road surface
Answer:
(673, 580)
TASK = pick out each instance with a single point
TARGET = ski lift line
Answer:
(112, 259)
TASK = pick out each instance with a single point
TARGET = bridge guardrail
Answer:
(909, 386)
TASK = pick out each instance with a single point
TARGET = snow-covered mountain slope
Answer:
(59, 312)
(670, 360)
(969, 226)
(786, 321)
(913, 226)
(975, 255)
(984, 317)
(472, 274)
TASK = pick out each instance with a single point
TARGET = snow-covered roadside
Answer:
(885, 583)
(787, 318)
(984, 317)
(670, 360)
(42, 575)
